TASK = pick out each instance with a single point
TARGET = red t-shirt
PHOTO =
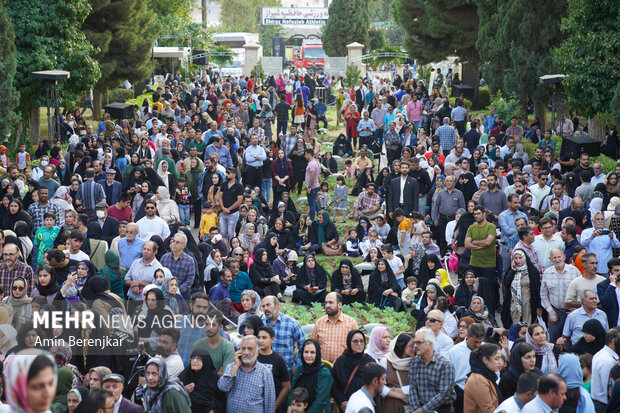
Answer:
(120, 214)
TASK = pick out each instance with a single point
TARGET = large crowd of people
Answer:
(146, 262)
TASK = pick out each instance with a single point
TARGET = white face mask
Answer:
(100, 214)
(44, 163)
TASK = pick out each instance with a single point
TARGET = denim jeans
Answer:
(228, 223)
(313, 206)
(265, 189)
(281, 127)
(184, 213)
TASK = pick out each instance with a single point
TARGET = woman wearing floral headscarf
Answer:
(521, 290)
(31, 382)
(164, 394)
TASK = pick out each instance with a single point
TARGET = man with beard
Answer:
(167, 349)
(558, 192)
(221, 351)
(288, 332)
(192, 327)
(424, 183)
(331, 330)
(248, 382)
(493, 199)
(403, 192)
(151, 224)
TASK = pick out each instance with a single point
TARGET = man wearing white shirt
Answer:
(545, 242)
(551, 395)
(599, 176)
(602, 362)
(507, 148)
(151, 224)
(527, 386)
(459, 356)
(373, 379)
(443, 343)
(540, 190)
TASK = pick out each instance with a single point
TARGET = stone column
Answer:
(251, 57)
(354, 51)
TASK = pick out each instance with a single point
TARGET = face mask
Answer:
(44, 163)
(100, 214)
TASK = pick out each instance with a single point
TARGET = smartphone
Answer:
(606, 231)
(72, 269)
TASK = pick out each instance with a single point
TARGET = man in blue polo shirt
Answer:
(130, 247)
(321, 110)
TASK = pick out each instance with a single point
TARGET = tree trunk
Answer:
(97, 103)
(204, 12)
(596, 129)
(35, 125)
(540, 110)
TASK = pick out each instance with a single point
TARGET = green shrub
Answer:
(468, 103)
(138, 101)
(609, 164)
(505, 108)
(484, 97)
(120, 95)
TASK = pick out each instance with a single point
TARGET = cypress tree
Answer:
(8, 68)
(347, 23)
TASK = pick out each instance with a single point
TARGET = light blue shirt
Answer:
(459, 113)
(128, 253)
(250, 153)
(575, 320)
(363, 124)
(507, 223)
(537, 406)
(601, 245)
(459, 356)
(490, 123)
(443, 344)
(223, 152)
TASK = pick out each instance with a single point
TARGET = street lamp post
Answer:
(51, 79)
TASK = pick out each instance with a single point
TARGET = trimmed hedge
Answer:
(120, 95)
(468, 103)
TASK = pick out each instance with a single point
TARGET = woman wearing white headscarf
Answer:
(8, 338)
(63, 201)
(168, 209)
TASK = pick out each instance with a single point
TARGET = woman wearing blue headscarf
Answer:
(576, 397)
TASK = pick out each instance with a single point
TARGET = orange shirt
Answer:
(332, 337)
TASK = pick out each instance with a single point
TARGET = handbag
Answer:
(407, 407)
(453, 262)
(335, 407)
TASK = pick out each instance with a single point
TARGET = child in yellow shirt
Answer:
(209, 219)
(404, 231)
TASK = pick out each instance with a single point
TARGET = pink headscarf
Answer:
(16, 376)
(374, 347)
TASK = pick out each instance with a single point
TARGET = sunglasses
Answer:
(433, 320)
(18, 288)
(149, 208)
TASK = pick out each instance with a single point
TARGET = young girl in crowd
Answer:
(340, 198)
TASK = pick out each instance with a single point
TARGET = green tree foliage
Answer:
(439, 28)
(8, 68)
(124, 32)
(516, 40)
(347, 23)
(48, 36)
(376, 39)
(589, 54)
(615, 107)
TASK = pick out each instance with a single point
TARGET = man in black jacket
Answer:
(403, 192)
(424, 183)
(109, 225)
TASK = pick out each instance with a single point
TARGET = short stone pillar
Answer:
(251, 58)
(354, 54)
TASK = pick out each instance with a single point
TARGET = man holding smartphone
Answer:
(600, 240)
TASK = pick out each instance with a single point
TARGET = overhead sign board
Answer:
(283, 16)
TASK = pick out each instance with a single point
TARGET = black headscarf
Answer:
(161, 247)
(49, 289)
(344, 366)
(309, 377)
(478, 366)
(595, 328)
(253, 321)
(158, 313)
(266, 245)
(206, 395)
(95, 289)
(259, 269)
(316, 277)
(338, 280)
(425, 274)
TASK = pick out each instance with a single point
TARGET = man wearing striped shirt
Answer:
(331, 330)
(90, 193)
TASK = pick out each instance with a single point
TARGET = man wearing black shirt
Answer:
(232, 196)
(281, 110)
(277, 365)
(424, 183)
(61, 264)
(584, 165)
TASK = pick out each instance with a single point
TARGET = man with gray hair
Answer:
(600, 241)
(443, 343)
(431, 376)
(444, 209)
(575, 320)
(447, 136)
(180, 264)
(248, 382)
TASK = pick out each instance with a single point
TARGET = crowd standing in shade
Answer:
(510, 265)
